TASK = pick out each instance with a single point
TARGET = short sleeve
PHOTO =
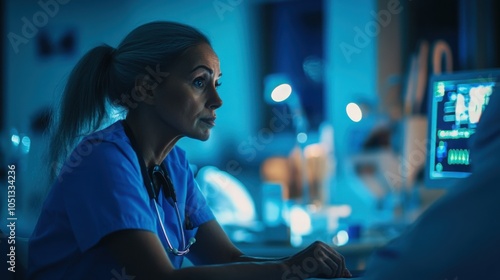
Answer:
(197, 210)
(104, 192)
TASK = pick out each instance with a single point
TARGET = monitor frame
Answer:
(489, 75)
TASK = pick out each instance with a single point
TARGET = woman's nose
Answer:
(214, 101)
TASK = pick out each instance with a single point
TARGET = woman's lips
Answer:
(209, 121)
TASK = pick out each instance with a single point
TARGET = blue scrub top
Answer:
(100, 190)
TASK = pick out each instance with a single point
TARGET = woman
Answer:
(124, 204)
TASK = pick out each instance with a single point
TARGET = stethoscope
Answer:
(155, 179)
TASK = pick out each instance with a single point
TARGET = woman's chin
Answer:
(203, 136)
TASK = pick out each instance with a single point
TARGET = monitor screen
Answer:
(456, 102)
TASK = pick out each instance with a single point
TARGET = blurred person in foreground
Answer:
(458, 237)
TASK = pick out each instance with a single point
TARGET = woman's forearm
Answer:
(251, 270)
(245, 258)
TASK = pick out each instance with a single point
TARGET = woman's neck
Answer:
(153, 140)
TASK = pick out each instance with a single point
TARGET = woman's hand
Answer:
(316, 261)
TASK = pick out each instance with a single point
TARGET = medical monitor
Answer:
(456, 102)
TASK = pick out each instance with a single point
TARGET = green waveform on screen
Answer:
(458, 157)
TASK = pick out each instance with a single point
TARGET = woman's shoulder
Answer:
(108, 142)
(112, 133)
(106, 151)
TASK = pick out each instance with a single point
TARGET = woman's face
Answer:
(186, 101)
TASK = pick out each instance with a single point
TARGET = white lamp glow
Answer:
(341, 238)
(300, 221)
(354, 112)
(281, 92)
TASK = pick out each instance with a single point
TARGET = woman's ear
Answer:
(144, 89)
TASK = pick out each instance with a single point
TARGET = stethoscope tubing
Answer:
(171, 248)
(148, 182)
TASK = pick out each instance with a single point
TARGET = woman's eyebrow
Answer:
(206, 68)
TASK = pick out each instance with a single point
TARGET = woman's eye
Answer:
(217, 84)
(199, 83)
